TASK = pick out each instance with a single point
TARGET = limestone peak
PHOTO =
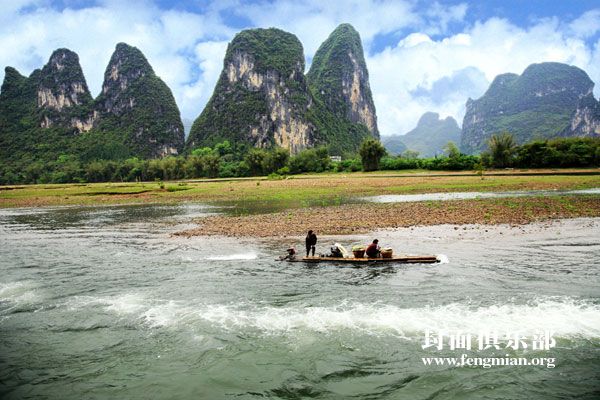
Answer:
(339, 77)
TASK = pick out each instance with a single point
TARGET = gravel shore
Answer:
(363, 218)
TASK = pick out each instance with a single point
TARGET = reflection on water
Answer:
(104, 302)
(65, 217)
(402, 198)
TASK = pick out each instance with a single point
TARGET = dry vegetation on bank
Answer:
(363, 218)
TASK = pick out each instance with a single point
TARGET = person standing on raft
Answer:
(311, 242)
(373, 250)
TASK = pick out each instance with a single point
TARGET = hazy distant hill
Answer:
(428, 138)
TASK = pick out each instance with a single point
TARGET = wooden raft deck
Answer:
(399, 259)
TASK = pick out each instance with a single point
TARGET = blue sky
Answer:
(422, 55)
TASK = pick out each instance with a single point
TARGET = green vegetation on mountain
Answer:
(394, 144)
(36, 114)
(333, 67)
(49, 121)
(339, 83)
(539, 104)
(52, 97)
(266, 117)
(139, 105)
(339, 134)
(262, 98)
(63, 96)
(271, 49)
(229, 116)
(17, 105)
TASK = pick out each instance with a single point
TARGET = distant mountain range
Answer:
(548, 100)
(428, 138)
(264, 99)
(187, 126)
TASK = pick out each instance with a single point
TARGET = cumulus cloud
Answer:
(588, 24)
(313, 20)
(442, 16)
(461, 84)
(420, 59)
(198, 91)
(413, 76)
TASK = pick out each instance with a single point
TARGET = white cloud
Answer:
(313, 20)
(9, 9)
(210, 59)
(414, 39)
(492, 47)
(587, 25)
(444, 15)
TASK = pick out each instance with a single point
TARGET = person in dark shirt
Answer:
(373, 249)
(311, 242)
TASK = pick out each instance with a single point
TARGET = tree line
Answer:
(223, 161)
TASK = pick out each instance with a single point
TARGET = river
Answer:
(103, 302)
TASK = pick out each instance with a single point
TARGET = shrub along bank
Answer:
(224, 161)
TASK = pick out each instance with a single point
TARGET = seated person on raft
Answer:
(373, 250)
(291, 254)
(335, 252)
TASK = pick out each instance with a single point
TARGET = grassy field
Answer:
(303, 190)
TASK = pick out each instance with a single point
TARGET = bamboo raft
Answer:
(352, 260)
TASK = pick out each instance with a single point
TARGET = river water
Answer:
(102, 302)
(405, 198)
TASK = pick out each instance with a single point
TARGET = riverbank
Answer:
(296, 191)
(362, 218)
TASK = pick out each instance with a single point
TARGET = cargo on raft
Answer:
(339, 254)
(402, 259)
